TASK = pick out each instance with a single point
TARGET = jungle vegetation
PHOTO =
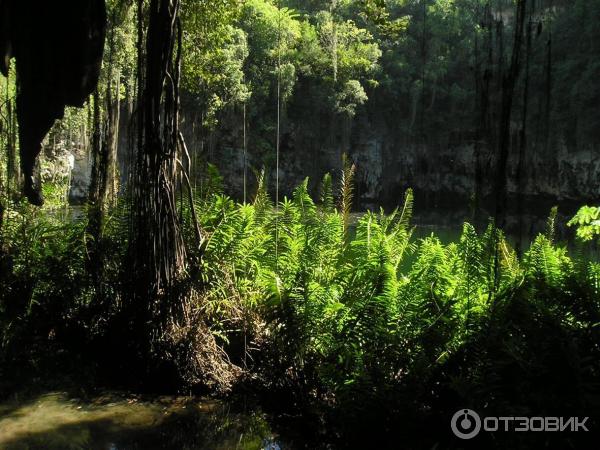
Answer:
(163, 280)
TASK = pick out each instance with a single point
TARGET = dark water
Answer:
(447, 225)
(126, 422)
(520, 232)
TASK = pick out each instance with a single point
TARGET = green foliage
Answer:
(214, 52)
(249, 52)
(587, 221)
(326, 192)
(273, 34)
(354, 48)
(346, 191)
(351, 96)
(351, 314)
(314, 304)
(120, 47)
(354, 313)
(42, 275)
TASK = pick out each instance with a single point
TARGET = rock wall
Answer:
(67, 163)
(442, 170)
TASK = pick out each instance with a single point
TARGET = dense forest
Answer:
(273, 224)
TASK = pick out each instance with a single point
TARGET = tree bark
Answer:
(158, 253)
(484, 136)
(523, 142)
(509, 80)
(113, 105)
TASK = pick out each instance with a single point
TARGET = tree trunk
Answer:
(157, 248)
(548, 92)
(95, 205)
(484, 136)
(523, 142)
(113, 105)
(99, 158)
(509, 80)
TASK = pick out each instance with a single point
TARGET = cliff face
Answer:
(442, 171)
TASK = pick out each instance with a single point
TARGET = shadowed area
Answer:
(114, 421)
(58, 52)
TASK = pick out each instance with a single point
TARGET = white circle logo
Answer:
(466, 424)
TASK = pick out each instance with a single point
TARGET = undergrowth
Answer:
(359, 321)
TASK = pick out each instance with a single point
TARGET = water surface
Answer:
(115, 421)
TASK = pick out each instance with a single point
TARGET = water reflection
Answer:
(117, 422)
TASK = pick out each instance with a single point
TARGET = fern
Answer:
(346, 191)
(351, 317)
(407, 210)
(587, 221)
(261, 201)
(326, 191)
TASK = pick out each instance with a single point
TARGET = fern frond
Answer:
(551, 224)
(326, 193)
(407, 210)
(346, 191)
